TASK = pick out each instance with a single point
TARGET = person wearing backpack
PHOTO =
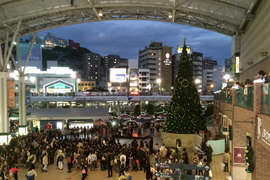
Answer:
(123, 159)
(110, 165)
(69, 163)
(60, 159)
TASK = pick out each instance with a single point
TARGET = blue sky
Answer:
(126, 38)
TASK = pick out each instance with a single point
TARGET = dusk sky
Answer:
(126, 38)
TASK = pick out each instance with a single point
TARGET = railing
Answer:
(245, 97)
(216, 96)
(265, 99)
(226, 96)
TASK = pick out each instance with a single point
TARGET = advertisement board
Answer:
(35, 55)
(238, 155)
(237, 64)
(118, 74)
(11, 94)
(180, 48)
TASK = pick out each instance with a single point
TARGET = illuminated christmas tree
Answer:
(185, 113)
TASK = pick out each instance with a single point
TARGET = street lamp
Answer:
(197, 81)
(158, 81)
(226, 77)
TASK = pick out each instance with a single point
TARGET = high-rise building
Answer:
(158, 59)
(213, 79)
(52, 41)
(195, 59)
(208, 63)
(144, 80)
(228, 65)
(92, 66)
(38, 40)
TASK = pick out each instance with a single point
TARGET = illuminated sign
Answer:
(237, 64)
(133, 76)
(167, 61)
(134, 93)
(11, 94)
(118, 75)
(133, 84)
(180, 49)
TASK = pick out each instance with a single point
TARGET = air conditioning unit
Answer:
(264, 53)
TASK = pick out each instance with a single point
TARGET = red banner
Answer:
(239, 155)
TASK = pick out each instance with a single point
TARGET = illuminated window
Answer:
(95, 65)
(96, 72)
(152, 54)
(159, 64)
(158, 73)
(96, 77)
(159, 53)
(159, 58)
(158, 68)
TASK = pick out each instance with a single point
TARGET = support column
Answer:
(48, 105)
(22, 108)
(118, 108)
(63, 124)
(4, 127)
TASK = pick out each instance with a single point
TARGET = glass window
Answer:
(89, 84)
(92, 84)
(79, 84)
(85, 84)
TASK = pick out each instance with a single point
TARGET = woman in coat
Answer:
(45, 162)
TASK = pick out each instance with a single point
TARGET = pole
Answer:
(4, 128)
(22, 108)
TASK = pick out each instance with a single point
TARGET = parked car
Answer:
(146, 117)
(125, 117)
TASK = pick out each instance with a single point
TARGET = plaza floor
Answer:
(56, 174)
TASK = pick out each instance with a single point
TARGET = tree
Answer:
(150, 109)
(185, 112)
(137, 110)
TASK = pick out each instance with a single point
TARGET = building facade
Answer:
(51, 41)
(92, 66)
(85, 84)
(228, 65)
(208, 63)
(144, 80)
(158, 59)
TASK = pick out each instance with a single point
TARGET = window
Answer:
(95, 65)
(158, 68)
(159, 64)
(79, 84)
(159, 58)
(92, 84)
(96, 77)
(85, 84)
(96, 72)
(89, 84)
(159, 74)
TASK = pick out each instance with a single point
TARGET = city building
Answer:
(158, 59)
(52, 41)
(85, 84)
(38, 40)
(208, 63)
(133, 76)
(213, 79)
(73, 45)
(195, 59)
(144, 80)
(53, 81)
(228, 65)
(118, 80)
(92, 66)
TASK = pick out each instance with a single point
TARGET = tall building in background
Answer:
(213, 79)
(208, 63)
(51, 41)
(195, 59)
(38, 40)
(228, 65)
(158, 59)
(73, 45)
(92, 66)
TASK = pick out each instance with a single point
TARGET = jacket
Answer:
(31, 175)
(60, 156)
(45, 160)
(225, 157)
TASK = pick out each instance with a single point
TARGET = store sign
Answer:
(263, 133)
(167, 61)
(180, 49)
(133, 76)
(237, 64)
(238, 155)
(133, 84)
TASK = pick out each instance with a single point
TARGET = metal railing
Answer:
(245, 97)
(265, 99)
(226, 96)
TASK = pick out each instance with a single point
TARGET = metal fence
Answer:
(265, 99)
(245, 97)
(226, 96)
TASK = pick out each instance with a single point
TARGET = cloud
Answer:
(126, 38)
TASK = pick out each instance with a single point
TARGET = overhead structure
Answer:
(229, 17)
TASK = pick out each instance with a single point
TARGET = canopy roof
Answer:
(227, 17)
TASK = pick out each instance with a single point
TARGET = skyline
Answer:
(126, 38)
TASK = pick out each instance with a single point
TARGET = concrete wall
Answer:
(255, 40)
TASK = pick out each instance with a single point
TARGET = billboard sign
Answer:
(35, 55)
(180, 48)
(237, 70)
(11, 94)
(118, 74)
(238, 155)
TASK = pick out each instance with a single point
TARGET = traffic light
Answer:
(229, 130)
(249, 158)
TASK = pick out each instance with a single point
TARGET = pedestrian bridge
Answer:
(108, 98)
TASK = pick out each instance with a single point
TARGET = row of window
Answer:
(86, 84)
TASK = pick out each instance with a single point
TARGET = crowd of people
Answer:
(98, 150)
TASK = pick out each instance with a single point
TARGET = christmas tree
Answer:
(185, 113)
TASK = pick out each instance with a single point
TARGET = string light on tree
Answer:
(185, 102)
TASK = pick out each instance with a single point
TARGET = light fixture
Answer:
(197, 81)
(158, 80)
(100, 12)
(73, 75)
(170, 15)
(22, 130)
(78, 80)
(8, 66)
(118, 87)
(211, 85)
(32, 79)
(109, 84)
(227, 77)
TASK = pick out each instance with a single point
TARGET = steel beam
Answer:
(29, 52)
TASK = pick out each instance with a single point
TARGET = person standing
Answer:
(60, 159)
(225, 161)
(69, 163)
(110, 163)
(45, 162)
(147, 169)
(94, 161)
